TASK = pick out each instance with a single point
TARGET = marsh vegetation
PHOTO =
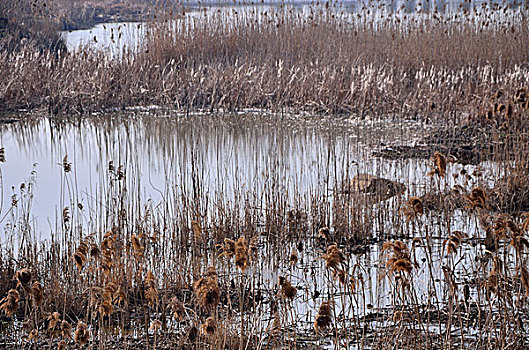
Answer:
(298, 177)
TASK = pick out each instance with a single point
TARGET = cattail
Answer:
(66, 329)
(207, 290)
(177, 308)
(439, 165)
(23, 277)
(37, 292)
(67, 166)
(333, 257)
(293, 259)
(9, 304)
(209, 327)
(324, 317)
(81, 333)
(241, 254)
(287, 290)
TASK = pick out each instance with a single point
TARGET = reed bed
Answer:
(270, 266)
(326, 59)
(342, 249)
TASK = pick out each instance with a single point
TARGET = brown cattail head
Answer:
(9, 304)
(241, 254)
(82, 334)
(287, 290)
(209, 327)
(324, 317)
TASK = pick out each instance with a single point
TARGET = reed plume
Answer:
(333, 257)
(293, 258)
(413, 208)
(207, 290)
(400, 259)
(66, 330)
(287, 290)
(177, 309)
(477, 199)
(209, 327)
(439, 165)
(228, 250)
(453, 241)
(23, 277)
(82, 334)
(324, 317)
(9, 304)
(241, 254)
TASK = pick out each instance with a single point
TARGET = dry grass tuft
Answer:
(324, 317)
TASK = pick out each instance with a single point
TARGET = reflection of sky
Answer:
(228, 155)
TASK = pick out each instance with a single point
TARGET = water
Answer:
(230, 154)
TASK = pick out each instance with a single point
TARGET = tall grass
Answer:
(322, 60)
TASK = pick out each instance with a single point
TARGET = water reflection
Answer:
(166, 155)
